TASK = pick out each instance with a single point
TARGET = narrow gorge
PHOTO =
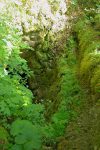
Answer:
(50, 75)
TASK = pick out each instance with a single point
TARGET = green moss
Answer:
(88, 53)
(97, 21)
(95, 80)
(87, 67)
(42, 56)
(88, 41)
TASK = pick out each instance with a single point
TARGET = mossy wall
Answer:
(89, 56)
(42, 62)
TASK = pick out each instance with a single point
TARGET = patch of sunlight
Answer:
(49, 14)
(2, 5)
(26, 101)
(43, 15)
(9, 46)
(97, 51)
(18, 2)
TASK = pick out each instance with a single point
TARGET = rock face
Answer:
(42, 61)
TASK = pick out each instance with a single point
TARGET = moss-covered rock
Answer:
(89, 56)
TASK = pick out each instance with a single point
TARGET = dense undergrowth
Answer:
(43, 82)
(23, 125)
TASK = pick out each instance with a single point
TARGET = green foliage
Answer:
(3, 138)
(15, 98)
(34, 113)
(67, 99)
(27, 136)
(89, 3)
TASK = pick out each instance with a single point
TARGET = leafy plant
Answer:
(27, 136)
(3, 138)
(15, 97)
